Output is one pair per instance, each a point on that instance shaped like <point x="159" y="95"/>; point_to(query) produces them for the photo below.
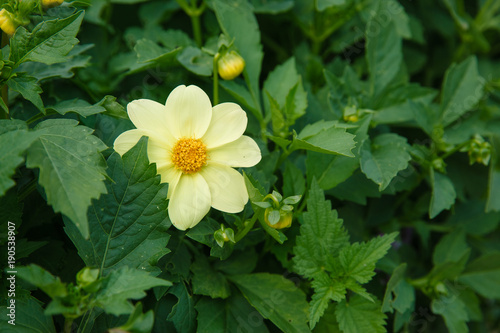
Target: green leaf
<point x="256" y="193"/>
<point x="196" y="61"/>
<point x="29" y="317"/>
<point x="139" y="322"/>
<point x="332" y="140"/>
<point x="404" y="293"/>
<point x="453" y="311"/>
<point x="450" y="248"/>
<point x="360" y="315"/>
<point x="443" y="193"/>
<point x="14" y="140"/>
<point x="321" y="5"/>
<point x="148" y="51"/>
<point x="231" y="315"/>
<point x="28" y="87"/>
<point x="207" y="281"/>
<point x="238" y="21"/>
<point x="183" y="314"/>
<point x="322" y="235"/>
<point x="276" y="299"/>
<point x="358" y="260"/>
<point x="325" y="290"/>
<point x="123" y="284"/>
<point x="384" y="158"/>
<point x="383" y="54"/>
<point x="493" y="200"/>
<point x="330" y="170"/>
<point x="271" y="6"/>
<point x="462" y="89"/>
<point x="483" y="275"/>
<point x="42" y="279"/>
<point x="287" y="97"/>
<point x="71" y="167"/>
<point x="293" y="180"/>
<point x="471" y="216"/>
<point x="128" y="225"/>
<point x="49" y="42"/>
<point x="79" y="106"/>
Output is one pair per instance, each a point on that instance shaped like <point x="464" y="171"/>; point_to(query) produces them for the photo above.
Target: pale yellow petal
<point x="190" y="201"/>
<point x="159" y="153"/>
<point x="228" y="123"/>
<point x="243" y="152"/>
<point x="189" y="111"/>
<point x="151" y="117"/>
<point x="227" y="188"/>
<point x="128" y="139"/>
<point x="169" y="174"/>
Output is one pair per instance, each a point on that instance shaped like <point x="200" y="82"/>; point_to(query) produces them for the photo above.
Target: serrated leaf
<point x="322" y="235"/>
<point x="443" y="193"/>
<point x="123" y="284"/>
<point x="28" y="87"/>
<point x="325" y="290"/>
<point x="382" y="159"/>
<point x="71" y="167"/>
<point x="49" y="42"/>
<point x="207" y="281"/>
<point x="493" y="200"/>
<point x="404" y="293"/>
<point x="358" y="315"/>
<point x="139" y="322"/>
<point x="128" y="225"/>
<point x="358" y="260"/>
<point x="288" y="311"/>
<point x="42" y="279"/>
<point x="14" y="140"/>
<point x="462" y="89"/>
<point x="148" y="51"/>
<point x="30" y="317"/>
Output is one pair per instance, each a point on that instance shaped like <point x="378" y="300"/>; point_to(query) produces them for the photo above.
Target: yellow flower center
<point x="189" y="155"/>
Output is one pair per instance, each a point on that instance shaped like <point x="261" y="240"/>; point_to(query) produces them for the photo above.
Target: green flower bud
<point x="230" y="65"/>
<point x="46" y="4"/>
<point x="278" y="219"/>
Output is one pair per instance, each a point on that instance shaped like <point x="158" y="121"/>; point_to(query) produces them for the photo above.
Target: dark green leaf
<point x="196" y="61"/>
<point x="453" y="311"/>
<point x="83" y="108"/>
<point x="450" y="248"/>
<point x="207" y="281"/>
<point x="49" y="42"/>
<point x="29" y="317"/>
<point x="332" y="140"/>
<point x="28" y="87"/>
<point x="483" y="275"/>
<point x="358" y="315"/>
<point x="128" y="225"/>
<point x="443" y="193"/>
<point x="71" y="167"/>
<point x="42" y="279"/>
<point x="183" y="314"/>
<point x="276" y="299"/>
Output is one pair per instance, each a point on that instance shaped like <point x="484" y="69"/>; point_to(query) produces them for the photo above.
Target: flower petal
<point x="169" y="174"/>
<point x="128" y="139"/>
<point x="159" y="153"/>
<point x="227" y="188"/>
<point x="151" y="117"/>
<point x="190" y="201"/>
<point x="243" y="152"/>
<point x="228" y="123"/>
<point x="188" y="112"/>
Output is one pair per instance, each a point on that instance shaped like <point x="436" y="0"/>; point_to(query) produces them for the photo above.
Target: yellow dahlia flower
<point x="195" y="148"/>
<point x="7" y="24"/>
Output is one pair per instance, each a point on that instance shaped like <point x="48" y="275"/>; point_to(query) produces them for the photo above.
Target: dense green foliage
<point x="379" y="127"/>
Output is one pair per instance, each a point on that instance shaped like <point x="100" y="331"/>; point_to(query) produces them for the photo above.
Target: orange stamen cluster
<point x="189" y="155"/>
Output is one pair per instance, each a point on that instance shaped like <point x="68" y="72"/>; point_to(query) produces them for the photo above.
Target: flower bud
<point x="230" y="65"/>
<point x="284" y="221"/>
<point x="7" y="23"/>
<point x="46" y="4"/>
<point x="86" y="278"/>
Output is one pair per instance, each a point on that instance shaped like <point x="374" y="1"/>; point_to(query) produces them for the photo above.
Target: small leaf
<point x="79" y="106"/>
<point x="292" y="200"/>
<point x="443" y="193"/>
<point x="328" y="141"/>
<point x="42" y="279"/>
<point x="207" y="281"/>
<point x="274" y="216"/>
<point x="196" y="61"/>
<point x="28" y="87"/>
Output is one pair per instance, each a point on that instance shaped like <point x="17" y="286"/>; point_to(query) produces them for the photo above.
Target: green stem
<point x="216" y="79"/>
<point x="68" y="322"/>
<point x="195" y="21"/>
<point x="5" y="89"/>
<point x="454" y="150"/>
<point x="39" y="116"/>
<point x="248" y="226"/>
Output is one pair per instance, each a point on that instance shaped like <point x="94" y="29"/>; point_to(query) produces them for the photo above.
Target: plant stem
<point x="195" y="21"/>
<point x="5" y="89"/>
<point x="454" y="150"/>
<point x="248" y="226"/>
<point x="68" y="322"/>
<point x="216" y="79"/>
